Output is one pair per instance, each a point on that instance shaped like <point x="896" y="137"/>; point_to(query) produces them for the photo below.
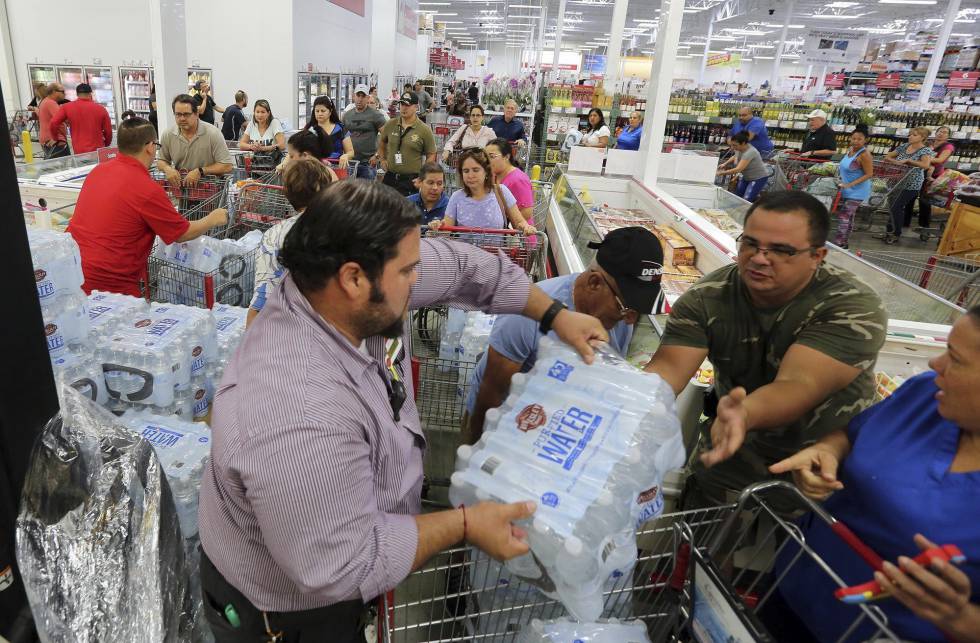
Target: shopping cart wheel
<point x="924" y="236"/>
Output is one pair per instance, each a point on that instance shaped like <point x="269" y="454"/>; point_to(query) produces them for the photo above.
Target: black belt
<point x="399" y="177"/>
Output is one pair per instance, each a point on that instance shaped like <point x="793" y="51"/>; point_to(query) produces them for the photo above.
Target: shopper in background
<point x="918" y="156"/>
<point x="820" y="141"/>
<point x="748" y="163"/>
<point x="128" y="114"/>
<point x="40" y="93"/>
<point x="191" y="146"/>
<point x="234" y="118"/>
<point x="620" y="286"/>
<point x="500" y="153"/>
<point x="206" y="107"/>
<point x="856" y="171"/>
<point x="301" y="181"/>
<point x="474" y="94"/>
<point x="404" y="144"/>
<point x="425" y="100"/>
<point x="153" y="108"/>
<point x="793" y="342"/>
<point x="459" y="106"/>
<point x="264" y="134"/>
<point x="378" y="103"/>
<point x="311" y="501"/>
<point x="54" y="142"/>
<point x="87" y="120"/>
<point x="597" y="134"/>
<point x="334" y="140"/>
<point x="364" y="123"/>
<point x="629" y="138"/>
<point x="121" y="210"/>
<point x="755" y="127"/>
<point x="942" y="149"/>
<point x="904" y="475"/>
<point x="481" y="203"/>
<point x="509" y="126"/>
<point x="431" y="199"/>
<point x="476" y="134"/>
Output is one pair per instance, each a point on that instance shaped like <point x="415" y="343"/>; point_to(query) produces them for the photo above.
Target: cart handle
<point x="452" y="228"/>
<point x="264" y="186"/>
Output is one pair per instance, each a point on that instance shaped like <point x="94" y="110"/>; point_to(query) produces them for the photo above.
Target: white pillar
<point x="384" y="15"/>
<point x="168" y="35"/>
<point x="806" y="80"/>
<point x="707" y="46"/>
<point x="658" y="90"/>
<point x="615" y="49"/>
<point x="782" y="44"/>
<point x="8" y="70"/>
<point x="559" y="25"/>
<point x="937" y="55"/>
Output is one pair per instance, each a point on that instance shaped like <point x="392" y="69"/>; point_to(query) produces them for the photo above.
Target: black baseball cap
<point x="409" y="98"/>
<point x="83" y="88"/>
<point x="634" y="258"/>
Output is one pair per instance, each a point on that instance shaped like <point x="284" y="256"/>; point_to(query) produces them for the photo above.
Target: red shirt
<point x="89" y="122"/>
<point x="120" y="211"/>
<point x="46" y="112"/>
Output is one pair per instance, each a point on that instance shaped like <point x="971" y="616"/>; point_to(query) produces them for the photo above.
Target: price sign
<point x="902" y="132"/>
<point x="834" y="81"/>
<point x="889" y="81"/>
<point x="702" y="119"/>
<point x="963" y="79"/>
<point x="772" y="123"/>
<point x="725" y="120"/>
<point x="673" y="117"/>
<point x="799" y="125"/>
<point x="878" y="130"/>
<point x="960" y="135"/>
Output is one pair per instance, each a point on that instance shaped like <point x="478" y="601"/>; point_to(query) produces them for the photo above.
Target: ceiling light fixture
<point x="765" y="58"/>
<point x="906" y="1"/>
<point x="524" y="6"/>
<point x="833" y="16"/>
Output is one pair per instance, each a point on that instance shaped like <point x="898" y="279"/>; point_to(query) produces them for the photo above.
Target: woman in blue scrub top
<point x="909" y="479"/>
<point x="629" y="138"/>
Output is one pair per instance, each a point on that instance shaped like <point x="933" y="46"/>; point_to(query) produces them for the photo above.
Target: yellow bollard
<point x="28" y="146"/>
<point x="536" y="173"/>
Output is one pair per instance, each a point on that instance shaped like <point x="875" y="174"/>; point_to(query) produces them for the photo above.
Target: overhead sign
<point x="834" y="81"/>
<point x="408" y="18"/>
<point x="963" y="80"/>
<point x="891" y="80"/>
<point x="594" y="63"/>
<point x="356" y="6"/>
<point x="837" y="48"/>
<point x="724" y="60"/>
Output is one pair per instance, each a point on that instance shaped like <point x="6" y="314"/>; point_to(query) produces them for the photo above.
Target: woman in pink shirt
<point x="501" y="156"/>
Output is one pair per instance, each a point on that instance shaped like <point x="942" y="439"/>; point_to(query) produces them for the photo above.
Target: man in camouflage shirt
<point x="793" y="343"/>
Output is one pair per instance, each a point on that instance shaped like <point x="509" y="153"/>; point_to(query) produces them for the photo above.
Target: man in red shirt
<point x="121" y="210"/>
<point x="88" y="120"/>
<point x="54" y="142"/>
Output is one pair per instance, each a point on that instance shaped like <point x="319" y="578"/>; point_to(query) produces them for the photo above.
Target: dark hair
<point x="506" y="149"/>
<point x="352" y="221"/>
<point x="602" y="119"/>
<point x="133" y="134"/>
<point x="481" y="159"/>
<point x="265" y="104"/>
<point x="476" y="106"/>
<point x="303" y="179"/>
<point x="184" y="98"/>
<point x="862" y="128"/>
<point x="974" y="313"/>
<point x="786" y="201"/>
<point x="740" y="137"/>
<point x="408" y="87"/>
<point x="128" y="114"/>
<point x="372" y="89"/>
<point x="325" y="137"/>
<point x="431" y="168"/>
<point x="306" y="141"/>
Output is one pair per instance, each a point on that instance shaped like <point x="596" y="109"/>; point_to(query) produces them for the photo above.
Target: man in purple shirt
<point x="310" y="505"/>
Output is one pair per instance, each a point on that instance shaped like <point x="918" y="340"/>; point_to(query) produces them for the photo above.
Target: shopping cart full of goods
<point x="706" y="575"/>
<point x="941" y="191"/>
<point x="254" y="165"/>
<point x="442" y="367"/>
<point x="259" y="204"/>
<point x="187" y="198"/>
<point x="954" y="278"/>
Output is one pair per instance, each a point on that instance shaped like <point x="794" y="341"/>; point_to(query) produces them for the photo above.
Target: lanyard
<point x="401" y="133"/>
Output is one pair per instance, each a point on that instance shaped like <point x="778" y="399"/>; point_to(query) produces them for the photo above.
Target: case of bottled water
<point x="451" y="332"/>
<point x="80" y="370"/>
<point x="109" y="311"/>
<point x="183" y="448"/>
<point x="584" y="442"/>
<point x="230" y="326"/>
<point x="66" y="321"/>
<point x="231" y="262"/>
<point x="57" y="263"/>
<point x="565" y="631"/>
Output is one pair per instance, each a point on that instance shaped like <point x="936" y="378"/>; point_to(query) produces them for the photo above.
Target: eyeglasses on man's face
<point x="624" y="312"/>
<point x="750" y="247"/>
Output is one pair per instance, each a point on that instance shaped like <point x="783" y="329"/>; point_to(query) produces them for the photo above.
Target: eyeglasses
<point x="623" y="310"/>
<point x="157" y="144"/>
<point x="493" y="156"/>
<point x="779" y="251"/>
<point x="183" y="114"/>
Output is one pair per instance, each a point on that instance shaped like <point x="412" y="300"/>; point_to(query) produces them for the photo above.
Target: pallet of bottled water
<point x="589" y="444"/>
<point x="229" y="325"/>
<point x="205" y="270"/>
<point x="565" y="631"/>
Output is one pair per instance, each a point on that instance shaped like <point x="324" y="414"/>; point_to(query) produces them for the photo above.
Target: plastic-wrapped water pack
<point x="231" y="262"/>
<point x="80" y="370"/>
<point x="57" y="263"/>
<point x="566" y="631"/>
<point x="587" y="443"/>
<point x="108" y="312"/>
<point x="230" y="326"/>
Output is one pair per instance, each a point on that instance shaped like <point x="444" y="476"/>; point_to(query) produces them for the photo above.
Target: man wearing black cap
<point x="404" y="144"/>
<point x="621" y="284"/>
<point x="87" y="120"/>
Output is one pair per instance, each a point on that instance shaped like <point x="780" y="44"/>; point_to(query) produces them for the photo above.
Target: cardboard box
<point x="678" y="251"/>
<point x="685" y="273"/>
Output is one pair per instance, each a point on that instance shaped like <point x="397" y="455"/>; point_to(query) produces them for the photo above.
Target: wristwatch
<point x="549" y="316"/>
<point x="200" y="171"/>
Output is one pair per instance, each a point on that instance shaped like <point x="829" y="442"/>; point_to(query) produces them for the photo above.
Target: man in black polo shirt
<point x="820" y="141"/>
<point x="234" y="118"/>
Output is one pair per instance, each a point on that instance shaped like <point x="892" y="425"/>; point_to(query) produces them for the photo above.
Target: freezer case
<point x="100" y="78"/>
<point x="312" y="85"/>
<point x="135" y="84"/>
<point x="41" y="74"/>
<point x="70" y="77"/>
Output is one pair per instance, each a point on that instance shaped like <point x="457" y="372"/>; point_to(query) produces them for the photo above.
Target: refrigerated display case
<point x="70" y="77"/>
<point x="312" y="85"/>
<point x="135" y="84"/>
<point x="41" y="74"/>
<point x="195" y="74"/>
<point x="100" y="78"/>
<point x="347" y="84"/>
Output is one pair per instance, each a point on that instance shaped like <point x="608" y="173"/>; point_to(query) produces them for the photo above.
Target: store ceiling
<point x="754" y="24"/>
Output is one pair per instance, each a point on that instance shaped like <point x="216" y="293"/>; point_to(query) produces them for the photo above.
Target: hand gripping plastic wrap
<point x="565" y="631"/>
<point x="588" y="443"/>
<point x="98" y="538"/>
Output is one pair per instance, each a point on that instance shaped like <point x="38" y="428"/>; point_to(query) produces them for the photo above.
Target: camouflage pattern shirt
<point x="837" y="314"/>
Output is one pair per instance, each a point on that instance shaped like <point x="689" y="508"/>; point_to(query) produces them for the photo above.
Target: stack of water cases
<point x="565" y="631"/>
<point x="231" y="262"/>
<point x="229" y="324"/>
<point x="588" y="443"/>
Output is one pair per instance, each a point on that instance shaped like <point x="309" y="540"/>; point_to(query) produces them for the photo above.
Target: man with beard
<point x="311" y="502"/>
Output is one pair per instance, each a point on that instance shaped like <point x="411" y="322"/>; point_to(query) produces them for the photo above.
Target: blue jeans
<point x="365" y="171"/>
<point x="749" y="190"/>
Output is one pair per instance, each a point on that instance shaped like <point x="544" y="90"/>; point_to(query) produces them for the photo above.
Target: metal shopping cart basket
<point x="344" y="172"/>
<point x="956" y="279"/>
<point x="728" y="551"/>
<point x="260" y="205"/>
<point x="887" y="181"/>
<point x="212" y="189"/>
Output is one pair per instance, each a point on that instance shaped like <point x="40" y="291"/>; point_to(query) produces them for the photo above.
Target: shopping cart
<point x="887" y="181"/>
<point x="20" y="122"/>
<point x="261" y="205"/>
<point x="253" y="165"/>
<point x="343" y="172"/>
<point x="730" y="550"/>
<point x="186" y="198"/>
<point x="956" y="279"/>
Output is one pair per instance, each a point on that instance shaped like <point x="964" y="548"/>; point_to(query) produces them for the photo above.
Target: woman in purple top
<point x="501" y="155"/>
<point x="478" y="204"/>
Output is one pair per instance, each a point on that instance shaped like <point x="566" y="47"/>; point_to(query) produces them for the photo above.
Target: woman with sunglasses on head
<point x="335" y="143"/>
<point x="476" y="134"/>
<point x="500" y="153"/>
<point x="942" y="148"/>
<point x="598" y="133"/>
<point x="481" y="204"/>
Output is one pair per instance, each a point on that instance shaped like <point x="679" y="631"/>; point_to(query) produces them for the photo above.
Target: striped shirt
<point x="311" y="486"/>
